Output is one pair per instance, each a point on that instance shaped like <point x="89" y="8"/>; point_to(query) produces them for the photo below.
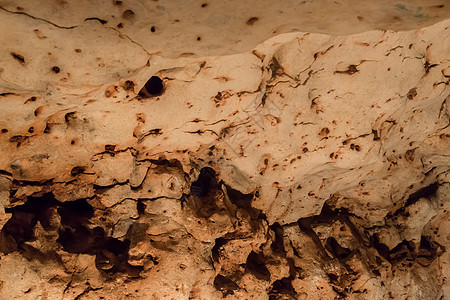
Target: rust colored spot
<point x="360" y="18"/>
<point x="409" y="155"/>
<point x="129" y="85"/>
<point x="111" y="91"/>
<point x="412" y="93"/>
<point x="324" y="132"/>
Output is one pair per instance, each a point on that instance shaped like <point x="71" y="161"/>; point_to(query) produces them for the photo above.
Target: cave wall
<point x="202" y="150"/>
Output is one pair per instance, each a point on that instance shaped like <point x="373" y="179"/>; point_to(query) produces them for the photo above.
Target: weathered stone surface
<point x="201" y="150"/>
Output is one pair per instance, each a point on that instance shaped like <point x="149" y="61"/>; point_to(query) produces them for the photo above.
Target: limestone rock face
<point x="203" y="150"/>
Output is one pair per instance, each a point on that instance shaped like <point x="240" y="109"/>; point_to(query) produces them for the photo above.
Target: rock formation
<point x="237" y="150"/>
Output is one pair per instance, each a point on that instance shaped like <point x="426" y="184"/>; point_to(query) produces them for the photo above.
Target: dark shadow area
<point x="205" y="182"/>
<point x="153" y="87"/>
<point x="256" y="266"/>
<point x="74" y="233"/>
<point x="225" y="285"/>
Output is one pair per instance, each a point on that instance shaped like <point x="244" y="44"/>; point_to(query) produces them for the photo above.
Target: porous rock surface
<point x="292" y="150"/>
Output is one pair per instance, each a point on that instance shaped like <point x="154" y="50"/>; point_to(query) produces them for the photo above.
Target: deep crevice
<point x="74" y="234"/>
<point x="256" y="266"/>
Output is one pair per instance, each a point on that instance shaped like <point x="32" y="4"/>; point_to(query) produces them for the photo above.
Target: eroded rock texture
<point x="196" y="150"/>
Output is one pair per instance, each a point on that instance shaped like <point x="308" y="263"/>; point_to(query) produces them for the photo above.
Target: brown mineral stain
<point x="409" y="155"/>
<point x="412" y="93"/>
<point x="111" y="91"/>
<point x="324" y="131"/>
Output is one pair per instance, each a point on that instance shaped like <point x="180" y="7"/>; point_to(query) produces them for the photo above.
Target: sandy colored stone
<point x="297" y="150"/>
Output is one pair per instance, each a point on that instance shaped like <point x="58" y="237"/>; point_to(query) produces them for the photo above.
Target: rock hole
<point x="428" y="251"/>
<point x="153" y="87"/>
<point x="74" y="213"/>
<point x="110" y="148"/>
<point x="77" y="170"/>
<point x="252" y="20"/>
<point x="206" y="180"/>
<point x="20" y="227"/>
<point x="256" y="266"/>
<point x="425" y="192"/>
<point x="69" y="117"/>
<point x="216" y="249"/>
<point x="282" y="286"/>
<point x="403" y="251"/>
<point x="278" y="244"/>
<point x="18" y="57"/>
<point x="336" y="249"/>
<point x="56" y="69"/>
<point x="81" y="239"/>
<point x="153" y="29"/>
<point x="225" y="285"/>
<point x="129" y="85"/>
<point x="47" y="128"/>
<point x="140" y="206"/>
